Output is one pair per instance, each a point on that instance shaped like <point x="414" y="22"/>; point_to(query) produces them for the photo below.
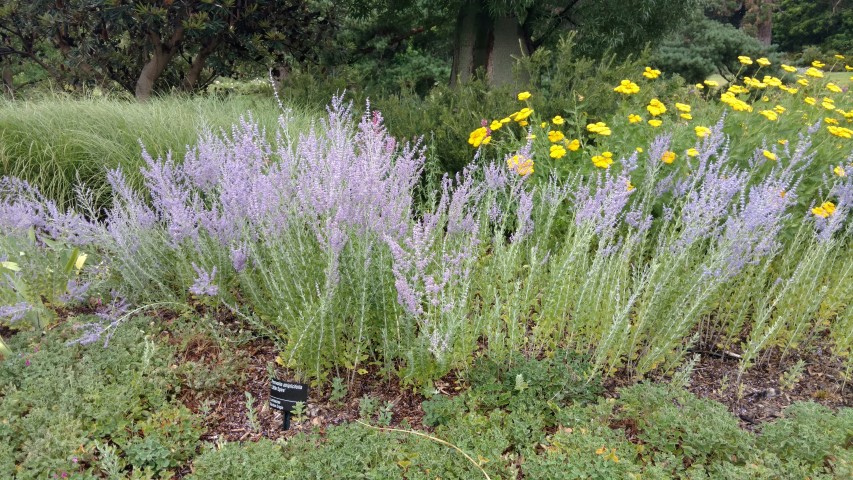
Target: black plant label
<point x="285" y="394"/>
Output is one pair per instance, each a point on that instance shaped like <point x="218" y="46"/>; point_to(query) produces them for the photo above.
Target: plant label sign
<point x="284" y="395"/>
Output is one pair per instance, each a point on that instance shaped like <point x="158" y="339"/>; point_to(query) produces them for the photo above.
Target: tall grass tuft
<point x="53" y="140"/>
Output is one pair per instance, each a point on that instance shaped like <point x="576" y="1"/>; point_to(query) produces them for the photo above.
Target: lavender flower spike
<point x="204" y="282"/>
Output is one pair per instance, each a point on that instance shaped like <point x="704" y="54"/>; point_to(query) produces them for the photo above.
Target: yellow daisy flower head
<point x="651" y="73"/>
<point x="558" y="120"/>
<point x="818" y="64"/>
<point x="668" y="157"/>
<point x="702" y="132"/>
<point x="656" y="108"/>
<point x="496" y="125"/>
<point x="692" y="152"/>
<point x="815" y="73"/>
<point x="682" y="107"/>
<point x="744" y="60"/>
<point x="824" y="210"/>
<point x="627" y="87"/>
<point x="699" y="86"/>
<point x="763" y="62"/>
<point x="789" y="68"/>
<point x="839" y="170"/>
<point x="520" y="164"/>
<point x="810" y="100"/>
<point x="655" y="122"/>
<point x="804" y="82"/>
<point x="603" y="161"/>
<point x="840" y="132"/>
<point x="769" y="155"/>
<point x="634" y="118"/>
<point x="479" y="137"/>
<point x="769" y="115"/>
<point x="555" y="136"/>
<point x="557" y="151"/>
<point x="524" y="96"/>
<point x="686" y="116"/>
<point x="574" y="145"/>
<point x="833" y="88"/>
<point x="711" y="83"/>
<point x="600" y="128"/>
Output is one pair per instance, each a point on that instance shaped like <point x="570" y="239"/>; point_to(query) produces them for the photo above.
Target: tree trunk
<point x="507" y="40"/>
<point x="162" y="54"/>
<point x="469" y="52"/>
<point x="484" y="42"/>
<point x="194" y="72"/>
<point x="7" y="80"/>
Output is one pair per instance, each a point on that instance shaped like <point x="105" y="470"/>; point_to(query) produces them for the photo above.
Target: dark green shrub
<point x="704" y="47"/>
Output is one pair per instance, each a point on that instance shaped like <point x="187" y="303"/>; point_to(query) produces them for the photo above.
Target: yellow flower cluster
<point x="651" y="73"/>
<point x="736" y="103"/>
<point x="656" y="107"/>
<point x="603" y="161"/>
<point x="824" y="210"/>
<point x="520" y="164"/>
<point x="627" y="87"/>
<point x="480" y="136"/>
<point x="668" y="157"/>
<point x="840" y="131"/>
<point x="600" y="128"/>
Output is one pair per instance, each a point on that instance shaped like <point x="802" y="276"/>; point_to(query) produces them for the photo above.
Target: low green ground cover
<point x="85" y="412"/>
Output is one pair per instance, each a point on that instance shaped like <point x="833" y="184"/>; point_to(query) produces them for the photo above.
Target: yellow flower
<point x="840" y="57"/>
<point x="543" y="125"/>
<point x="752" y="82"/>
<point x="782" y="141"/>
<point x="711" y="83"/>
<point x="496" y="125"/>
<point x="558" y="120"/>
<point x="639" y="149"/>
<point x="830" y="121"/>
<point x="630" y="186"/>
<point x="839" y="170"/>
<point x="833" y="88"/>
<point x="557" y="151"/>
<point x="603" y="161"/>
<point x="555" y="136"/>
<point x="478" y="137"/>
<point x="524" y="96"/>
<point x="531" y="136"/>
<point x="699" y="86"/>
<point x="655" y="122"/>
<point x="848" y="68"/>
<point x="736" y="103"/>
<point x="600" y="128"/>
<point x="656" y="108"/>
<point x="505" y="120"/>
<point x="522" y="114"/>
<point x="779" y="109"/>
<point x="772" y="81"/>
<point x="668" y="157"/>
<point x="763" y="62"/>
<point x="520" y="164"/>
<point x="692" y="152"/>
<point x="810" y="100"/>
<point x="824" y="210"/>
<point x="769" y="155"/>
<point x="789" y="68"/>
<point x="788" y="89"/>
<point x="769" y="115"/>
<point x="702" y="132"/>
<point x="523" y="123"/>
<point x="818" y="64"/>
<point x="634" y="118"/>
<point x="813" y="72"/>
<point x="651" y="73"/>
<point x="828" y="104"/>
<point x="574" y="145"/>
<point x="744" y="60"/>
<point x="686" y="116"/>
<point x="627" y="87"/>
<point x="840" y="131"/>
<point x="737" y="89"/>
<point x="601" y="451"/>
<point x="804" y="82"/>
<point x="682" y="107"/>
